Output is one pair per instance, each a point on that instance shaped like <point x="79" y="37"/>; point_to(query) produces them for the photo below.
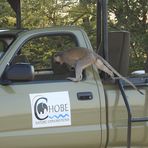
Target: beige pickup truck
<point x="40" y="108"/>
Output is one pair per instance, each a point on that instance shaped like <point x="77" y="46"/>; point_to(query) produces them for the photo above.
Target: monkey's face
<point x="58" y="59"/>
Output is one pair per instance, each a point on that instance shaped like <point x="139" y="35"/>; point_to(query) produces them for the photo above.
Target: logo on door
<point x="41" y="108"/>
<point x="50" y="109"/>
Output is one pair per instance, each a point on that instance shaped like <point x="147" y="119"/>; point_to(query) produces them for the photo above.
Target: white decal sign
<point x="50" y="109"/>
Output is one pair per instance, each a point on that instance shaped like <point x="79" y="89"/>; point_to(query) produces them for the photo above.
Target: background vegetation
<point x="130" y="15"/>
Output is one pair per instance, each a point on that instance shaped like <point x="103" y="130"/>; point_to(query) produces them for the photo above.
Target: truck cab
<point x="39" y="107"/>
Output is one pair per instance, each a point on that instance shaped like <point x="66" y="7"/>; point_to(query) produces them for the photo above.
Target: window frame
<point x="44" y="35"/>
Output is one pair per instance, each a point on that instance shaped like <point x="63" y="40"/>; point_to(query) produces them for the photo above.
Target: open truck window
<point x="39" y="52"/>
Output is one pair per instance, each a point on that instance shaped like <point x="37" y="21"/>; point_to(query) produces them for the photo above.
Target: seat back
<point x="20" y="59"/>
<point x="118" y="52"/>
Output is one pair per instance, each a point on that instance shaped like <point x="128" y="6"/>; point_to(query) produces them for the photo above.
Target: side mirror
<point x="19" y="72"/>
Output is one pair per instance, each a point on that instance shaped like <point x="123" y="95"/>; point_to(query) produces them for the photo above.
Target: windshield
<point x="4" y="44"/>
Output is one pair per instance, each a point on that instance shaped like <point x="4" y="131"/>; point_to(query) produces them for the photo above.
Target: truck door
<point x="49" y="111"/>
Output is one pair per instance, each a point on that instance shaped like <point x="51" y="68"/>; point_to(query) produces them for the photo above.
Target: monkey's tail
<point x="118" y="74"/>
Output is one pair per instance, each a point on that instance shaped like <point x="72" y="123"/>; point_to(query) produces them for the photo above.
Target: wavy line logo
<point x="58" y="116"/>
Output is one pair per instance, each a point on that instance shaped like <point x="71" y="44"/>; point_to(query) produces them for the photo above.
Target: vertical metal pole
<point x="102" y="27"/>
<point x="105" y="29"/>
<point x="99" y="25"/>
<point x="16" y="6"/>
<point x="102" y="31"/>
<point x="18" y="15"/>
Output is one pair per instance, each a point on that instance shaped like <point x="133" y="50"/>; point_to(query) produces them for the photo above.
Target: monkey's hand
<point x="78" y="76"/>
<point x="73" y="79"/>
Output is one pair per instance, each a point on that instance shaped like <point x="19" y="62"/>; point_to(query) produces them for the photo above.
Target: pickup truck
<point x="41" y="108"/>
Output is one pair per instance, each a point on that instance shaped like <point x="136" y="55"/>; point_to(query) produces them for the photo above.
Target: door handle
<point x="84" y="96"/>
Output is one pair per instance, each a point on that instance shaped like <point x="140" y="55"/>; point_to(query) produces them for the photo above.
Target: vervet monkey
<point x="80" y="58"/>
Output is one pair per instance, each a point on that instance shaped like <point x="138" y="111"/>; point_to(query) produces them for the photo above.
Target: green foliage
<point x="132" y="15"/>
<point x="7" y="16"/>
<point x="43" y="13"/>
<point x="84" y="15"/>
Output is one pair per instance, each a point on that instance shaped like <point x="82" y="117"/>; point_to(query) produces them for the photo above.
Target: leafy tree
<point x="60" y="12"/>
<point x="84" y="15"/>
<point x="7" y="15"/>
<point x="39" y="14"/>
<point x="132" y="15"/>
